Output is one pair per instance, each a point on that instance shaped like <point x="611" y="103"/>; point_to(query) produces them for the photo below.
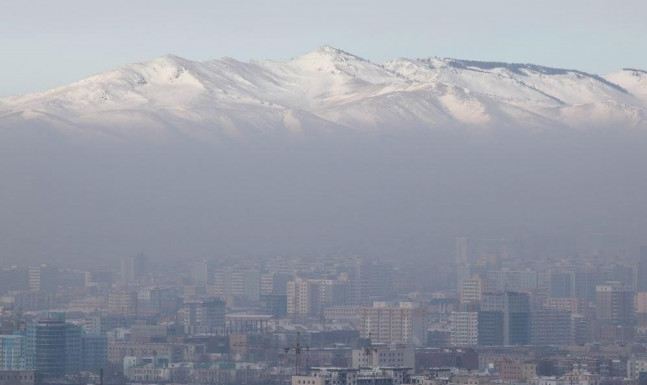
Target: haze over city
<point x="332" y="193"/>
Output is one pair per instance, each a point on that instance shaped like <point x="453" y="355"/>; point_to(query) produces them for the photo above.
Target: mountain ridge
<point x="228" y="98"/>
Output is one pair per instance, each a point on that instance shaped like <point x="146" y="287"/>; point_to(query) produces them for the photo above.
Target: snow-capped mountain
<point x="326" y="90"/>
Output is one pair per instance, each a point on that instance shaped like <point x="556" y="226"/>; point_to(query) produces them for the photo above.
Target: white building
<point x="390" y="323"/>
<point x="464" y="328"/>
<point x="384" y="355"/>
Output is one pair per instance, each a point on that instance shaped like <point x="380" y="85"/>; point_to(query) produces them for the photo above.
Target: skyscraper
<point x="54" y="347"/>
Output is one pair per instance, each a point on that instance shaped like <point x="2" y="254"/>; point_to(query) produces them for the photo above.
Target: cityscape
<point x="496" y="311"/>
<point x="284" y="192"/>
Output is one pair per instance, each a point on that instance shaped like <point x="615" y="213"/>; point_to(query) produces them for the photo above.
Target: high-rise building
<point x="641" y="270"/>
<point x="308" y="297"/>
<point x="13" y="349"/>
<point x="471" y="289"/>
<point x="243" y="283"/>
<point x="134" y="268"/>
<point x="490" y="328"/>
<point x="94" y="351"/>
<point x="202" y="273"/>
<point x="504" y="319"/>
<point x="551" y="327"/>
<point x="562" y="284"/>
<point x="54" y="347"/>
<point x="204" y="316"/>
<point x="516" y="319"/>
<point x="464" y="328"/>
<point x="389" y="323"/>
<point x="43" y="278"/>
<point x="614" y="303"/>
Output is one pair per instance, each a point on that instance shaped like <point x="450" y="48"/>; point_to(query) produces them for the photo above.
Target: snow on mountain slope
<point x="326" y="90"/>
<point x="633" y="80"/>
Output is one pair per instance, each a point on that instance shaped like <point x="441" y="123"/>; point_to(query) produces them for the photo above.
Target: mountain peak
<point x="331" y="87"/>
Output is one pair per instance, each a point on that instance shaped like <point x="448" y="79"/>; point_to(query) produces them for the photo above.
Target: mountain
<point x="326" y="153"/>
<point x="326" y="90"/>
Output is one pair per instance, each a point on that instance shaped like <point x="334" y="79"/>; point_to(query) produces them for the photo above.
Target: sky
<point x="44" y="43"/>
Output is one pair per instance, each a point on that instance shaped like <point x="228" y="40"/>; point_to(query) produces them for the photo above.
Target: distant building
<point x="134" y="268"/>
<point x="614" y="303"/>
<point x="13" y="351"/>
<point x="204" y="316"/>
<point x="504" y="319"/>
<point x="471" y="289"/>
<point x="122" y="302"/>
<point x="551" y="327"/>
<point x="464" y="328"/>
<point x="388" y="323"/>
<point x="43" y="278"/>
<point x="308" y="297"/>
<point x="54" y="347"/>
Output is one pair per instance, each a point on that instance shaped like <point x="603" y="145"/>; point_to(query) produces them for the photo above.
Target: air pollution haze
<point x="325" y="154"/>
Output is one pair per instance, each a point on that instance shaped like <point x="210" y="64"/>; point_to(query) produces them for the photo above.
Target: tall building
<point x="471" y="289"/>
<point x="43" y="278"/>
<point x="387" y="323"/>
<point x="202" y="273"/>
<point x="244" y="283"/>
<point x="308" y="297"/>
<point x="54" y="347"/>
<point x="504" y="319"/>
<point x="490" y="328"/>
<point x="562" y="284"/>
<point x="516" y="319"/>
<point x="94" y="351"/>
<point x="614" y="303"/>
<point x="464" y="328"/>
<point x="134" y="268"/>
<point x="641" y="270"/>
<point x="13" y="349"/>
<point x="551" y="327"/>
<point x="204" y="316"/>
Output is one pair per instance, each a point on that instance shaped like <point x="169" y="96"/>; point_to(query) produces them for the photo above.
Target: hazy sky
<point x="48" y="43"/>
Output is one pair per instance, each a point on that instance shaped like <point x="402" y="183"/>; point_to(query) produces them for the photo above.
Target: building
<point x="384" y="355"/>
<point x="308" y="297"/>
<point x="43" y="278"/>
<point x="471" y="289"/>
<point x="464" y="328"/>
<point x="562" y="284"/>
<point x="275" y="305"/>
<point x="54" y="347"/>
<point x="389" y="323"/>
<point x="122" y="303"/>
<point x="94" y="352"/>
<point x="13" y="351"/>
<point x="19" y="377"/>
<point x="614" y="303"/>
<point x="204" y="316"/>
<point x="551" y="327"/>
<point x="516" y="319"/>
<point x="134" y="268"/>
<point x="504" y="319"/>
<point x="242" y="283"/>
